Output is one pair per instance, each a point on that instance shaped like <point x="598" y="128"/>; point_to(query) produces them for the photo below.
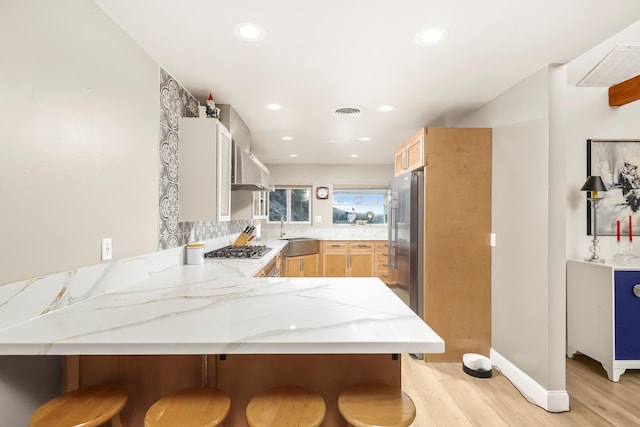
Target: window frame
<point x="366" y="191"/>
<point x="288" y="218"/>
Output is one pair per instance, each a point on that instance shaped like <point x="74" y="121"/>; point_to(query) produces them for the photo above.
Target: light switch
<point x="493" y="239"/>
<point x="318" y="219"/>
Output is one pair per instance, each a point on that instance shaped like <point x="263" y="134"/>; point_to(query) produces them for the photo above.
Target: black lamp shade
<point x="594" y="183"/>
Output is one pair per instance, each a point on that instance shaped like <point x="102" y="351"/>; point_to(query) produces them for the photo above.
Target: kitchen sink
<point x="299" y="246"/>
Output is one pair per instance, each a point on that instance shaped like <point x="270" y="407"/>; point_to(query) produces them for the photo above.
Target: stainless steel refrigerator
<point x="406" y="230"/>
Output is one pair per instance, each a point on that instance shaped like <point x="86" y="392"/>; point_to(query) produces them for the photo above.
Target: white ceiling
<point x="320" y="55"/>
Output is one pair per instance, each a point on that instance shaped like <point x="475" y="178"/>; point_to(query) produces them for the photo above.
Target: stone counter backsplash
<point x="357" y="232"/>
<point x="176" y="102"/>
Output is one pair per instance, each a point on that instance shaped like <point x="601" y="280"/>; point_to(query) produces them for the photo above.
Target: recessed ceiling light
<point x="364" y="138"/>
<point x="293" y="155"/>
<point x="431" y="36"/>
<point x="385" y="108"/>
<point x="353" y="155"/>
<point x="249" y="32"/>
<point x="287" y="138"/>
<point x="273" y="107"/>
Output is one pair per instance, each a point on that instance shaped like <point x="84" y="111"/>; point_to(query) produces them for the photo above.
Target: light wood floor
<point x="446" y="396"/>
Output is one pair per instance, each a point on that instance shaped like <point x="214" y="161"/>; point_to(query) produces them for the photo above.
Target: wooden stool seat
<point x="192" y="407"/>
<point x="372" y="404"/>
<point x="84" y="407"/>
<point x="287" y="406"/>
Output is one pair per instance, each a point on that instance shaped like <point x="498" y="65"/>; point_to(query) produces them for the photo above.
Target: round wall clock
<point x="322" y="193"/>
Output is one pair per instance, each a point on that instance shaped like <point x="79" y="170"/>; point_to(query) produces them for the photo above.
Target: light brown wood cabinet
<point x="302" y="266"/>
<point x="279" y="259"/>
<point x="381" y="269"/>
<point x="348" y="259"/>
<point x="267" y="270"/>
<point x="411" y="155"/>
<point x="457" y="224"/>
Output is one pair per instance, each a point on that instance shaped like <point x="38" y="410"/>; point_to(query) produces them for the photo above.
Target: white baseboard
<point x="550" y="400"/>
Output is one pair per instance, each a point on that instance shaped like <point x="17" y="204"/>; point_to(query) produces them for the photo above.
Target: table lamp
<point x="594" y="184"/>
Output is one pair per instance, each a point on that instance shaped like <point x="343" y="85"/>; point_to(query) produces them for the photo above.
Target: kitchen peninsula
<point x="188" y="325"/>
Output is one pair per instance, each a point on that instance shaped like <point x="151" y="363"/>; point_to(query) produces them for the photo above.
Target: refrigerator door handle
<point x="393" y="235"/>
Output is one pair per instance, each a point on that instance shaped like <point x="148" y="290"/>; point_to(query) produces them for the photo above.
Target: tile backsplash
<point x="176" y="102"/>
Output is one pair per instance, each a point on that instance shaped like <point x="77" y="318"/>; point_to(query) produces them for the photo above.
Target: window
<point x="360" y="206"/>
<point x="292" y="204"/>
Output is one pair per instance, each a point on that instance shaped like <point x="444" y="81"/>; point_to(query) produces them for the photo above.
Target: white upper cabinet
<point x="205" y="170"/>
<point x="259" y="210"/>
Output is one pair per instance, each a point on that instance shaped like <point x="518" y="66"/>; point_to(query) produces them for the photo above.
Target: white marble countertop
<point x="217" y="308"/>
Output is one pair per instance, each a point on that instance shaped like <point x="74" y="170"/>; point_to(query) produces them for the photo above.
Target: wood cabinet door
<point x="292" y="267"/>
<point x="361" y="264"/>
<point x="334" y="264"/>
<point x="361" y="259"/>
<point x="400" y="166"/>
<point x="411" y="154"/>
<point x="310" y="265"/>
<point x="415" y="151"/>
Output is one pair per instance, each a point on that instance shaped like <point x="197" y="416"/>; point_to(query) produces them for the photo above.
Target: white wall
<point x="539" y="215"/>
<point x="79" y="162"/>
<point x="588" y="116"/>
<point x="80" y="129"/>
<point x="520" y="185"/>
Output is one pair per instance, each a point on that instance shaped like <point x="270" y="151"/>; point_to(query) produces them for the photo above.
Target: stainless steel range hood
<point x="247" y="172"/>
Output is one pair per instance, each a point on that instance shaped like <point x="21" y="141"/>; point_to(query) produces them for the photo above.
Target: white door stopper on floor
<point x="476" y="365"/>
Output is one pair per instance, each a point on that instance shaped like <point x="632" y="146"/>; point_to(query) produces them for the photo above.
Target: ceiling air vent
<point x="348" y="110"/>
<point x="621" y="64"/>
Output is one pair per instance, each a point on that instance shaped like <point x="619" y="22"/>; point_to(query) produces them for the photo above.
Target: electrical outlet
<point x="106" y="249"/>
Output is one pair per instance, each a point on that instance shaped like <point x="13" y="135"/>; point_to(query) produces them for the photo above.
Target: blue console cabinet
<point x="627" y="315"/>
<point x="603" y="314"/>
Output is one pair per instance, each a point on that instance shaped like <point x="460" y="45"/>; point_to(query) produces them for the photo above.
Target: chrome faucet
<point x="282" y="232"/>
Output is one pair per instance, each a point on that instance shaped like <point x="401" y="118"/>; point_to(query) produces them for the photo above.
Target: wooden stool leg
<point x="116" y="421"/>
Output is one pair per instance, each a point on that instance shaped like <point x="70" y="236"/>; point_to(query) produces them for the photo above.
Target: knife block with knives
<point x="245" y="237"/>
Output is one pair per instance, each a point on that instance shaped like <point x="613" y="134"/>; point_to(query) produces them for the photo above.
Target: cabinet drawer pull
<point x="636" y="290"/>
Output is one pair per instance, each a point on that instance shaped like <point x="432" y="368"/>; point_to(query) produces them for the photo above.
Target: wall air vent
<point x="621" y="64"/>
<point x="348" y="110"/>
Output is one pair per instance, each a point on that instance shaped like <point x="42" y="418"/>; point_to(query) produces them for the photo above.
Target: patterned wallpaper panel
<point x="176" y="102"/>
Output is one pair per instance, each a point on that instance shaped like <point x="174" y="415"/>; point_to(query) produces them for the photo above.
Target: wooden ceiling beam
<point x="625" y="92"/>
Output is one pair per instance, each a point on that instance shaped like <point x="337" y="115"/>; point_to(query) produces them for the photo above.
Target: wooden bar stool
<point x="287" y="406"/>
<point x="373" y="404"/>
<point x="192" y="407"/>
<point x="84" y="407"/>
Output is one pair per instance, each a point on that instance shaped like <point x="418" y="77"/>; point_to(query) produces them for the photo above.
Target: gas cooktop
<point x="248" y="251"/>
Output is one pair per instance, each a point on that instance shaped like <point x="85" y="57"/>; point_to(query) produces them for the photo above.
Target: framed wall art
<point x="617" y="162"/>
